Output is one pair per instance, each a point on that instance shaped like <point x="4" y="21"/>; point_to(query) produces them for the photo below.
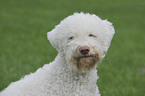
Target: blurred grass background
<point x="24" y="46"/>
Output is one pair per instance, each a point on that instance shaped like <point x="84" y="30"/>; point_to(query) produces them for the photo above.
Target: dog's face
<point x="83" y="40"/>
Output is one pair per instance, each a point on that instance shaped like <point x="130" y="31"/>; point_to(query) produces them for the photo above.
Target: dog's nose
<point x="84" y="50"/>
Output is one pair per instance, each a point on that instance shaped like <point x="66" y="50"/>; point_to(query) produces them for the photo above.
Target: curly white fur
<point x="67" y="76"/>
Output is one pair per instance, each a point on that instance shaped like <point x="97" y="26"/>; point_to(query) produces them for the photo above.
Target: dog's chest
<point x="70" y="84"/>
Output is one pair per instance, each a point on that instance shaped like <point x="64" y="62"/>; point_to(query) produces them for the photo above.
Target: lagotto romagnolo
<point x="81" y="40"/>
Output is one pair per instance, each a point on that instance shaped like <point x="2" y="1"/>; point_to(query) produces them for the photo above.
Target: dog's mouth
<point x="84" y="63"/>
<point x="85" y="56"/>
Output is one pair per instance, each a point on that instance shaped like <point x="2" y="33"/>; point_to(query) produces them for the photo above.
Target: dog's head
<point x="83" y="39"/>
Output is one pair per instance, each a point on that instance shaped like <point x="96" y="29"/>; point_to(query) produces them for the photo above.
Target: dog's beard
<point x="84" y="63"/>
<point x="81" y="63"/>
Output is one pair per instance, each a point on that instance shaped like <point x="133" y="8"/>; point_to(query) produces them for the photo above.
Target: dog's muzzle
<point x="85" y="60"/>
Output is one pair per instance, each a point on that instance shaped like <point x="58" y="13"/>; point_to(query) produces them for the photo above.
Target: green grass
<point x="24" y="46"/>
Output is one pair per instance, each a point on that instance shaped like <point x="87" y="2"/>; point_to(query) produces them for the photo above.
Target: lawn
<point x="24" y="46"/>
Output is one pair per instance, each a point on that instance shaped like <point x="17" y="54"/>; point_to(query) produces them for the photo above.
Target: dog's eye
<point x="71" y="38"/>
<point x="91" y="35"/>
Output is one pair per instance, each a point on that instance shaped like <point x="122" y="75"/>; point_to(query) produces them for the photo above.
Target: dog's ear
<point x="110" y="26"/>
<point x="107" y="35"/>
<point x="52" y="37"/>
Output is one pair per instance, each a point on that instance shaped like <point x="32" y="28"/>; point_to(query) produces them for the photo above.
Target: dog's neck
<point x="85" y="81"/>
<point x="67" y="69"/>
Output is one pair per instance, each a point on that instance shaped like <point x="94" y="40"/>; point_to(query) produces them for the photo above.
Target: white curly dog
<point x="82" y="41"/>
